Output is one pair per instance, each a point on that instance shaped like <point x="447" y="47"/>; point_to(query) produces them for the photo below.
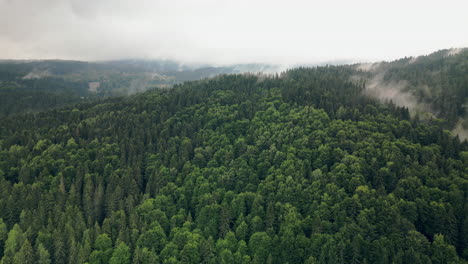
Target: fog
<point x="398" y="92"/>
<point x="37" y="74"/>
<point x="395" y="92"/>
<point x="461" y="129"/>
<point x="223" y="31"/>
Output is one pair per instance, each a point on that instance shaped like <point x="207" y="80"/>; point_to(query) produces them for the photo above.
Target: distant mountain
<point x="38" y="85"/>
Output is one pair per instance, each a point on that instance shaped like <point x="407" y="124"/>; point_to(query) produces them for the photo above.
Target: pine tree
<point x="25" y="255"/>
<point x="42" y="255"/>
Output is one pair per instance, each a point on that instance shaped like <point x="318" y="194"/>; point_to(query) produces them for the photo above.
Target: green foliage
<point x="153" y="239"/>
<point x="121" y="255"/>
<point x="25" y="255"/>
<point x="3" y="236"/>
<point x="43" y="256"/>
<point x="13" y="245"/>
<point x="103" y="242"/>
<point x="102" y="250"/>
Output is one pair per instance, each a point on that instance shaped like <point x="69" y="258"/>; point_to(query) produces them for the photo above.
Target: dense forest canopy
<point x="300" y="167"/>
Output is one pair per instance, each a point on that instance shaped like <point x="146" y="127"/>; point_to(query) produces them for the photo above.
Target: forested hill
<point x="296" y="168"/>
<point x="431" y="86"/>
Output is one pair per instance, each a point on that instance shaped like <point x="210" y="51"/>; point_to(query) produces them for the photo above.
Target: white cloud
<point x="223" y="31"/>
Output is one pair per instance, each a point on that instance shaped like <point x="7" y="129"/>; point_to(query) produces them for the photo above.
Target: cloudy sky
<point x="224" y="31"/>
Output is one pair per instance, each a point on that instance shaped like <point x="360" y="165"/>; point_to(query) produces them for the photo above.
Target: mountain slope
<point x="436" y="84"/>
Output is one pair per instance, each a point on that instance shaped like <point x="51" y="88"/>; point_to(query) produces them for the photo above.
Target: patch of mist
<point x="37" y="74"/>
<point x="453" y="51"/>
<point x="413" y="60"/>
<point x="160" y="77"/>
<point x="260" y="68"/>
<point x="94" y="86"/>
<point x="368" y="67"/>
<point x="397" y="92"/>
<point x="461" y="129"/>
<point x="387" y="91"/>
<point x="138" y="85"/>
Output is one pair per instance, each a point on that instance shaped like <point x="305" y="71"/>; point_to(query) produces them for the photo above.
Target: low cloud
<point x="461" y="129"/>
<point x="37" y="74"/>
<point x="395" y="92"/>
<point x="368" y="67"/>
<point x="454" y="51"/>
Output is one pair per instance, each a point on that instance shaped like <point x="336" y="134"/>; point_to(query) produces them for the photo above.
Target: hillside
<point x="301" y="167"/>
<point x="431" y="86"/>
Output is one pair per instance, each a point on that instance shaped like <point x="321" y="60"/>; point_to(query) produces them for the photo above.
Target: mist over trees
<point x="431" y="86"/>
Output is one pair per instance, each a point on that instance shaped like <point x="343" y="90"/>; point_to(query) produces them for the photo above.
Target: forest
<point x="297" y="167"/>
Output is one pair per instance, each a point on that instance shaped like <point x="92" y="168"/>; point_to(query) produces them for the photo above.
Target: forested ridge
<point x="439" y="80"/>
<point x="436" y="83"/>
<point x="431" y="86"/>
<point x="293" y="168"/>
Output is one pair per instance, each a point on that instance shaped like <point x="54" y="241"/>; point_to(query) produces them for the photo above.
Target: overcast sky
<point x="222" y="31"/>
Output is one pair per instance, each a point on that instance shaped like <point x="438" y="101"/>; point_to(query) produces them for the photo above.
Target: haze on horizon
<point x="223" y="31"/>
